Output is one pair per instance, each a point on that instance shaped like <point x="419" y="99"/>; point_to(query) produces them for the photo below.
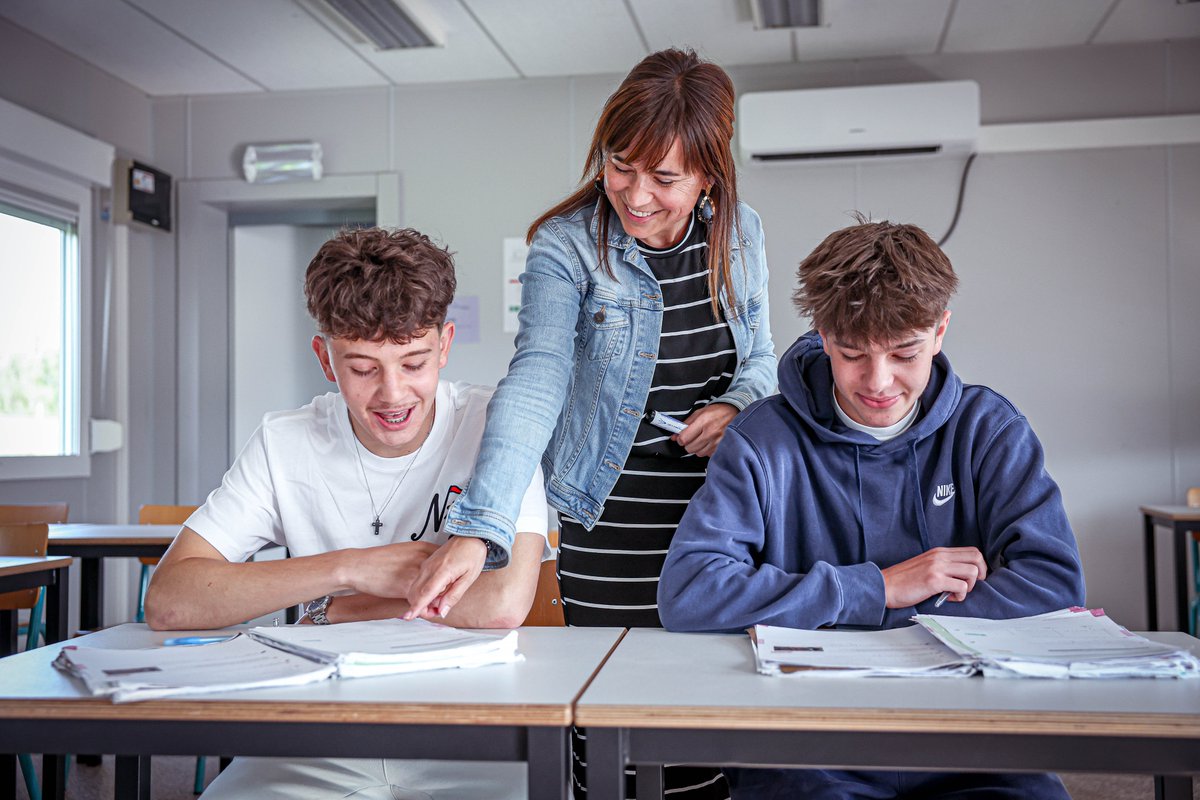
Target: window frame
<point x="44" y="193"/>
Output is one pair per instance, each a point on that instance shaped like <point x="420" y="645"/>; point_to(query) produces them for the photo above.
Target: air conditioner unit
<point x="858" y="122"/>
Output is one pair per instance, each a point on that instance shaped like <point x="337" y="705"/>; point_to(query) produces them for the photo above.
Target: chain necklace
<point x="379" y="512"/>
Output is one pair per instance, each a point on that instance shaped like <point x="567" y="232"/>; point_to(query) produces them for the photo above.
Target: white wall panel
<point x="352" y="127"/>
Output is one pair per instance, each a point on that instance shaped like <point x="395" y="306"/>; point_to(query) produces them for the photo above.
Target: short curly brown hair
<point x="875" y="281"/>
<point x="377" y="284"/>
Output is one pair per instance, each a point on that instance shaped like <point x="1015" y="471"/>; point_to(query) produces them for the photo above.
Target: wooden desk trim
<point x="1171" y="513"/>
<point x="202" y="710"/>
<point x="68" y="539"/>
<point x="892" y="720"/>
<point x="19" y="565"/>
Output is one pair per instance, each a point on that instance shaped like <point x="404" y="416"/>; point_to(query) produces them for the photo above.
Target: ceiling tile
<point x="1150" y="20"/>
<point x="717" y="29"/>
<point x="122" y="41"/>
<point x="563" y="37"/>
<point x="275" y="42"/>
<point x="868" y="29"/>
<point x="468" y="54"/>
<point x="986" y="25"/>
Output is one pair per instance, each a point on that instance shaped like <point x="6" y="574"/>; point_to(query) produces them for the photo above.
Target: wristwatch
<point x="315" y="610"/>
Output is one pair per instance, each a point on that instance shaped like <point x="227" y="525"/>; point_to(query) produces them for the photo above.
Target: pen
<point x="663" y="422"/>
<point x="190" y="640"/>
<point x="941" y="599"/>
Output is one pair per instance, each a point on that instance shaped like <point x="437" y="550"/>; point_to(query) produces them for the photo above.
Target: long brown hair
<point x="669" y="95"/>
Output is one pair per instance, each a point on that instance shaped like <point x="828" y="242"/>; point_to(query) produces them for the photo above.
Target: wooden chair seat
<point x="22" y="540"/>
<point x="547" y="609"/>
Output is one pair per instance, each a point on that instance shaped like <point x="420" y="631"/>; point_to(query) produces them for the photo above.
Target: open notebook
<point x="1071" y="643"/>
<point x="289" y="656"/>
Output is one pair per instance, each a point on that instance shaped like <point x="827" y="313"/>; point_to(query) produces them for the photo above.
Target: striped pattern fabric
<point x="609" y="575"/>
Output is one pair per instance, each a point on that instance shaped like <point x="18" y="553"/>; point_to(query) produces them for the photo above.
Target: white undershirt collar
<point x="881" y="434"/>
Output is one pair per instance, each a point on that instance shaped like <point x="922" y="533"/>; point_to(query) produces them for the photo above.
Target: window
<point x="45" y="232"/>
<point x="39" y="334"/>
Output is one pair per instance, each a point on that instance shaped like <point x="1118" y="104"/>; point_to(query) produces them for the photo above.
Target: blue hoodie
<point x="800" y="513"/>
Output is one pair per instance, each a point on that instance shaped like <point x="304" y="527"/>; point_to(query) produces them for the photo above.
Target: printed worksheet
<point x="900" y="651"/>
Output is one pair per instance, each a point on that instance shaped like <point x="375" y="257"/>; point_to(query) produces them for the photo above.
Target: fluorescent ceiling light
<point x="388" y="24"/>
<point x="786" y="13"/>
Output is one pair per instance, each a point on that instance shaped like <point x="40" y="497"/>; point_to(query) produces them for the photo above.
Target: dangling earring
<point x="599" y="183"/>
<point x="704" y="208"/>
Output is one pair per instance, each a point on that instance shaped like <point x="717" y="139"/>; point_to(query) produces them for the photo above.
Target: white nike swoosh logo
<point x="943" y="501"/>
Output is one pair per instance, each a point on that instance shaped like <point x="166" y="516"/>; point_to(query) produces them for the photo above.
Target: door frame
<point x="203" y="301"/>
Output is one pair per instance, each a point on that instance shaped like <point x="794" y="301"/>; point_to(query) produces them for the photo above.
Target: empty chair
<point x="156" y="515"/>
<point x="48" y="513"/>
<point x="24" y="540"/>
<point x="547" y="610"/>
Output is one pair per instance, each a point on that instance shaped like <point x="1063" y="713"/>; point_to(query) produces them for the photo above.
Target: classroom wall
<point x="50" y="81"/>
<point x="1080" y="270"/>
<point x="54" y="83"/>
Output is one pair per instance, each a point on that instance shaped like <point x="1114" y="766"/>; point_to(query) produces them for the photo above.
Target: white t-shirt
<point x="298" y="482"/>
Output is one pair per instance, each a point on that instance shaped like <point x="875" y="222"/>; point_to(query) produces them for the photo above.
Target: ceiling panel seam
<point x="357" y="53"/>
<point x="941" y="42"/>
<point x="637" y="26"/>
<point x="495" y="43"/>
<point x="1102" y="22"/>
<point x="194" y="44"/>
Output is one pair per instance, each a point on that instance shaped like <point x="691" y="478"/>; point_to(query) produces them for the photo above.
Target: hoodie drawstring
<point x="862" y="519"/>
<point x="922" y="527"/>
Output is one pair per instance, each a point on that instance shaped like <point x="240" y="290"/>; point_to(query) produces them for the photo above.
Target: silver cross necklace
<point x="379" y="512"/>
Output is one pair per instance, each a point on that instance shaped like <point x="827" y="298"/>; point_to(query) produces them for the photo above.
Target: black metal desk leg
<point x="1179" y="546"/>
<point x="549" y="754"/>
<point x="57" y="607"/>
<point x="91" y="583"/>
<point x="649" y="782"/>
<point x="91" y="609"/>
<point x="1172" y="787"/>
<point x="54" y="777"/>
<point x="606" y="751"/>
<point x="8" y="632"/>
<point x="1151" y="574"/>
<point x="8" y="773"/>
<point x="133" y="778"/>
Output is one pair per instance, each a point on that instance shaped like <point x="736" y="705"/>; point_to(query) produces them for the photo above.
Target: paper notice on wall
<point x="515" y="251"/>
<point x="464" y="313"/>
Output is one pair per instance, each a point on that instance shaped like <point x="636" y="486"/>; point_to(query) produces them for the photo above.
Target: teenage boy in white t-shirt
<point x="356" y="485"/>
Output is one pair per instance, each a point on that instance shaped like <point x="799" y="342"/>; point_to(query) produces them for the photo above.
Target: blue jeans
<point x="821" y="784"/>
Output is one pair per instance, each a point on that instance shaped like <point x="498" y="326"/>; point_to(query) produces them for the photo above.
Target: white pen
<point x="941" y="599"/>
<point x="663" y="422"/>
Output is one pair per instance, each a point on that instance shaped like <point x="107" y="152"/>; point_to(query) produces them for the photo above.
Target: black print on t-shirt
<point x="437" y="512"/>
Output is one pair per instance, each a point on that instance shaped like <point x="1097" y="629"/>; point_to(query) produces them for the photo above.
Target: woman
<point x="644" y="291"/>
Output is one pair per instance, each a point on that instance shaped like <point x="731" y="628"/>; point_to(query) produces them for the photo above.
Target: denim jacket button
<point x="598" y="317"/>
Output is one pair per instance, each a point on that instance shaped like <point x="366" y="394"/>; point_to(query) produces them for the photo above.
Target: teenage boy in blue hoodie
<point x="873" y="483"/>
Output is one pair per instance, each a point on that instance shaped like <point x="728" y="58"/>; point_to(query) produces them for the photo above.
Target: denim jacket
<point x="586" y="350"/>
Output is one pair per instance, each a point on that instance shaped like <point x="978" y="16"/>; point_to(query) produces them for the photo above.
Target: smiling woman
<point x="644" y="291"/>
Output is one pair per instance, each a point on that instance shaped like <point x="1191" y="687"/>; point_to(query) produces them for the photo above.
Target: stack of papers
<point x="1072" y="643"/>
<point x="291" y="656"/>
<point x="911" y="652"/>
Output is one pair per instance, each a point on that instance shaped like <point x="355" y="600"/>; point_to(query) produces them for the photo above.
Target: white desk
<point x="22" y="572"/>
<point x="91" y="543"/>
<point x="510" y="712"/>
<point x="696" y="699"/>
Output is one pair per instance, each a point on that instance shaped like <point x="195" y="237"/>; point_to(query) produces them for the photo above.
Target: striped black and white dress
<point x="609" y="575"/>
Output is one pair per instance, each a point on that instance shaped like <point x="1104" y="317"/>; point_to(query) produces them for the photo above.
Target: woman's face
<point x="653" y="200"/>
